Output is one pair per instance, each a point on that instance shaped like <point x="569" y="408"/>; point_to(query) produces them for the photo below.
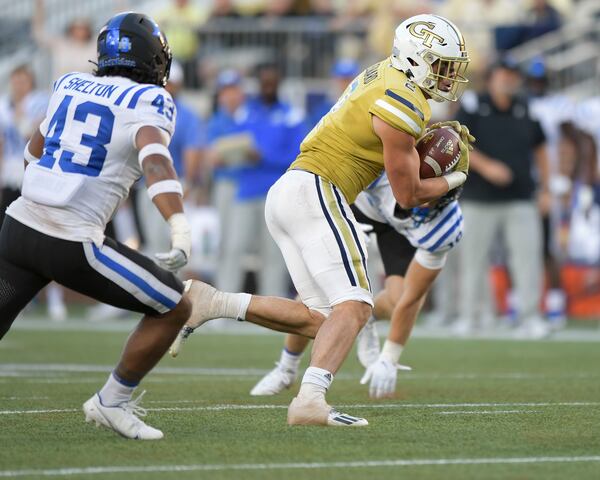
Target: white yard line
<point x="486" y="412"/>
<point x="63" y="472"/>
<point x="226" y="407"/>
<point x="37" y="370"/>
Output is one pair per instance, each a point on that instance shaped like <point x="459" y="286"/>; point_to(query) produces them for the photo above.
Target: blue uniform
<point x="189" y="134"/>
<point x="222" y="124"/>
<point x="278" y="130"/>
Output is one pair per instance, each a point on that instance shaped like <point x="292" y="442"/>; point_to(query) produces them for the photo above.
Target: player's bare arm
<point x="491" y="169"/>
<point x="166" y="192"/>
<point x="401" y="162"/>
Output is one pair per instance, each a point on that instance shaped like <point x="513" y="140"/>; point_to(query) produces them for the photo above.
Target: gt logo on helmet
<point x="427" y="35"/>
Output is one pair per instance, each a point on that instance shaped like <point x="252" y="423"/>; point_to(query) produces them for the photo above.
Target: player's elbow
<point x="407" y="200"/>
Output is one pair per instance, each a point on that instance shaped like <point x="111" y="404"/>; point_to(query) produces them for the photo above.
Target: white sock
<point x="54" y="295"/>
<point x="116" y="391"/>
<point x="316" y="382"/>
<point x="232" y="305"/>
<point x="289" y="360"/>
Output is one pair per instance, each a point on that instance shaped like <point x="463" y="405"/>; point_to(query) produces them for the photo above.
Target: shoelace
<point x="134" y="408"/>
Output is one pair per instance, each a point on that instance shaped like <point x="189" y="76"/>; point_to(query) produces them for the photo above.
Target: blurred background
<point x="252" y="77"/>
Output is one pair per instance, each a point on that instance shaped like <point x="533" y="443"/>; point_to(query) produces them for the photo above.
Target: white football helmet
<point x="431" y="51"/>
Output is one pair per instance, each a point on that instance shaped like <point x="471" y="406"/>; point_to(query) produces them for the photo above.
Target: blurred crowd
<point x="240" y="123"/>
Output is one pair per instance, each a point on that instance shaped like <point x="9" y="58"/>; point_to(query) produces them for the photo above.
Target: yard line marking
<point x="24" y="398"/>
<point x="22" y="369"/>
<point x="485" y="412"/>
<point x="298" y="466"/>
<point x="225" y="407"/>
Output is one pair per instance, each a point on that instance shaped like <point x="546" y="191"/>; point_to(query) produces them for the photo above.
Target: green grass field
<point x="491" y="409"/>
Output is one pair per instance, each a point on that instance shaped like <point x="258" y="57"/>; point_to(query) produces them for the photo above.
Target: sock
<point x="116" y="391"/>
<point x="232" y="305"/>
<point x="556" y="303"/>
<point x="392" y="351"/>
<point x="316" y="382"/>
<point x="54" y="295"/>
<point x="289" y="360"/>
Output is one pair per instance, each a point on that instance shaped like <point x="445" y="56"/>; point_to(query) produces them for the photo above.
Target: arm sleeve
<point x="401" y="110"/>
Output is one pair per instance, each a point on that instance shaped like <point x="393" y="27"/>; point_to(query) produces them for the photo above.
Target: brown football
<point x="439" y="151"/>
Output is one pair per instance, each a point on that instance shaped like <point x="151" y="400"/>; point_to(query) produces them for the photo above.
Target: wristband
<point x="154" y="149"/>
<point x="455" y="179"/>
<point x="181" y="235"/>
<point x="164" y="186"/>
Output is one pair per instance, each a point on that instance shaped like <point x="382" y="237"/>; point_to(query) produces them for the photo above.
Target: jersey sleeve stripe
<point x="400" y="114"/>
<point x="440" y="241"/>
<point x="405" y="102"/>
<point x="440" y="224"/>
<point x="59" y="82"/>
<point x="136" y="96"/>
<point x="124" y="93"/>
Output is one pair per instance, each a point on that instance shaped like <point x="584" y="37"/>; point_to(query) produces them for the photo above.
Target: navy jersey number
<point x="96" y="143"/>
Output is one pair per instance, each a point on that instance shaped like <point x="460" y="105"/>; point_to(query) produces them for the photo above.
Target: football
<point x="439" y="152"/>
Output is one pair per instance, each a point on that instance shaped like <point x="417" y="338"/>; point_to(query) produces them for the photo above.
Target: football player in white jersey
<point x="413" y="245"/>
<point x="101" y="133"/>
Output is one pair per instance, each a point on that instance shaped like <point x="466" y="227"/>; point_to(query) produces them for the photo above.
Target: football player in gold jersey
<point x="374" y="126"/>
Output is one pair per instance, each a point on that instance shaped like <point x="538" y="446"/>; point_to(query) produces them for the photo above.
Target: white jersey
<point x="90" y="159"/>
<point x="435" y="235"/>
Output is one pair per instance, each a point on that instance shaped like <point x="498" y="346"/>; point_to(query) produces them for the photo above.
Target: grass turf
<point x="519" y="378"/>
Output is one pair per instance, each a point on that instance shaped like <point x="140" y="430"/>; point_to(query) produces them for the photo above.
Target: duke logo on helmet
<point x="133" y="46"/>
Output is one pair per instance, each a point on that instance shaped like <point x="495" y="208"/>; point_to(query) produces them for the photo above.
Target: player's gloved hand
<point x="181" y="244"/>
<point x="466" y="139"/>
<point x="462" y="130"/>
<point x="382" y="374"/>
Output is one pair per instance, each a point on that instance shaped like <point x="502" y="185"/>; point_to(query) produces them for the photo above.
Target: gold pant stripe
<point x="344" y="230"/>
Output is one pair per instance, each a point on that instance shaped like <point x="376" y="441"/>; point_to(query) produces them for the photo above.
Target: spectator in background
<point x="276" y="132"/>
<point x="180" y="21"/>
<point x="343" y="72"/>
<point x="71" y="52"/>
<point x="500" y="196"/>
<point x="223" y="9"/>
<point x="551" y="111"/>
<point x="186" y="149"/>
<point x="21" y="112"/>
<point x="230" y="148"/>
<point x="542" y="18"/>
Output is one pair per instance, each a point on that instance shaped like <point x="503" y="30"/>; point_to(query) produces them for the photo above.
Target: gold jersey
<point x="343" y="147"/>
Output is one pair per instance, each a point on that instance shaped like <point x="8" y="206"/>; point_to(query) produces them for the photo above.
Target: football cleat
<point x="316" y="411"/>
<point x="532" y="328"/>
<point x="122" y="418"/>
<point x="274" y="382"/>
<point x="367" y="344"/>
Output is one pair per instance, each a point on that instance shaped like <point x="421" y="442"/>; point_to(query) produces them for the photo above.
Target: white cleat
<point x="122" y="418"/>
<point x="533" y="328"/>
<point x="274" y="382"/>
<point x="316" y="411"/>
<point x="367" y="344"/>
